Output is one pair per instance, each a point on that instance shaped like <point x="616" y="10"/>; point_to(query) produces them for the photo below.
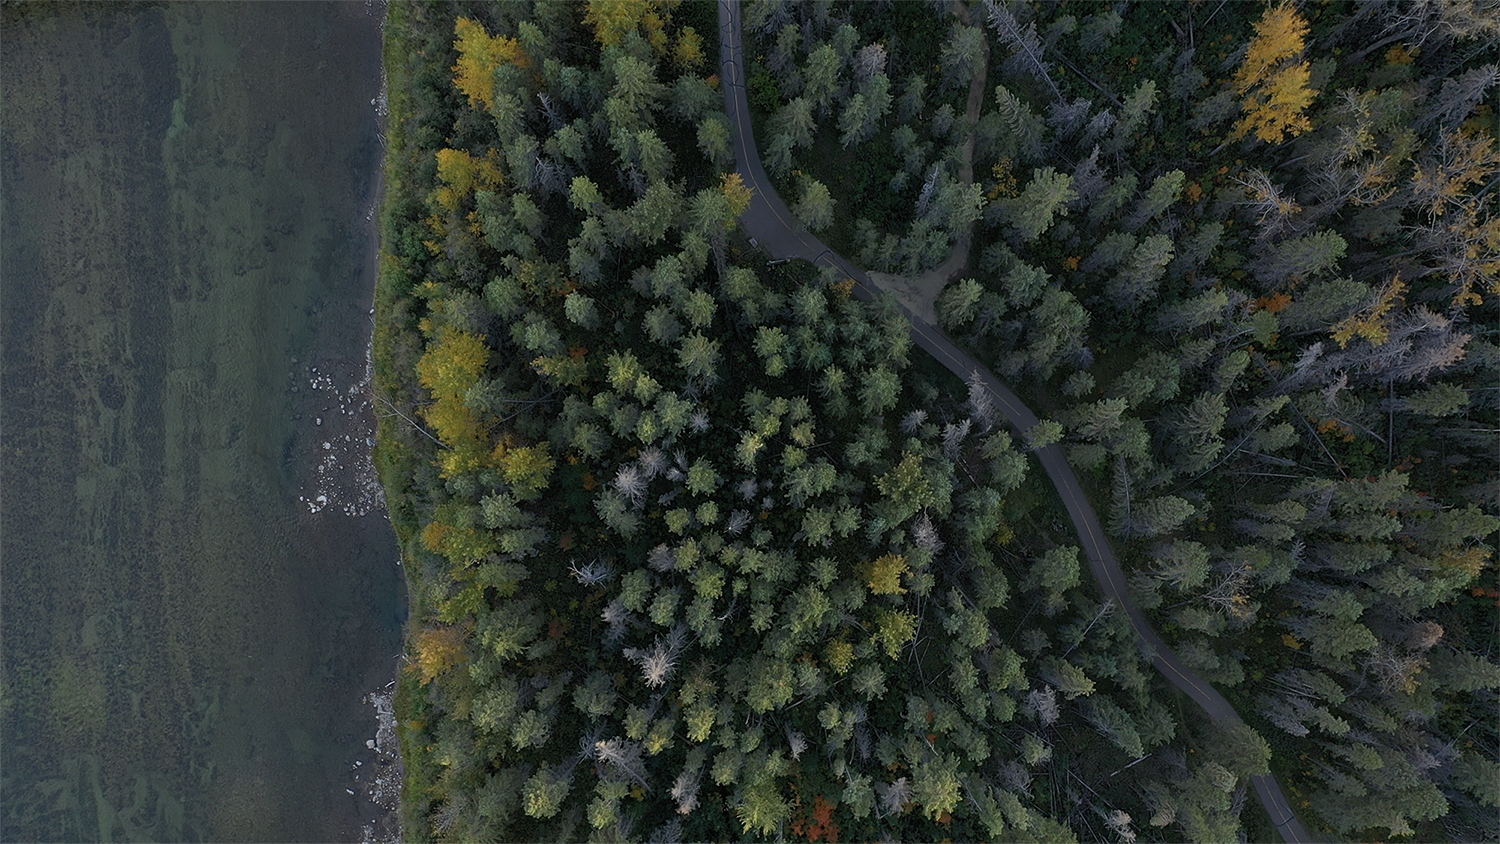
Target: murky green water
<point x="186" y="267"/>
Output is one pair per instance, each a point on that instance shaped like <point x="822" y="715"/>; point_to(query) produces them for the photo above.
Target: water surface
<point x="186" y="268"/>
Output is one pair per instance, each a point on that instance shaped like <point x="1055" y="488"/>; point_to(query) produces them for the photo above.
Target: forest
<point x="701" y="546"/>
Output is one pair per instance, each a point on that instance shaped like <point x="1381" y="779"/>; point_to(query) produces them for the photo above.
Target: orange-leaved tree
<point x="1273" y="80"/>
<point x="479" y="53"/>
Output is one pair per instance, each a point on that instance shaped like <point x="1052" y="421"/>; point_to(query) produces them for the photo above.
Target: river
<point x="199" y="585"/>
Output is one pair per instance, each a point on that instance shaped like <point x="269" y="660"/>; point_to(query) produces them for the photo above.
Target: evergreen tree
<point x="1045" y="197"/>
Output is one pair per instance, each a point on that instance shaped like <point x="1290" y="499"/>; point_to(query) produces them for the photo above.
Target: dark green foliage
<point x="1295" y="509"/>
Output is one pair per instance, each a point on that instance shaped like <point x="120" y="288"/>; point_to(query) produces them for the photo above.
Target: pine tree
<point x="1476" y="773"/>
<point x="1098" y="29"/>
<point x="1207" y="308"/>
<point x="1025" y="45"/>
<point x="795" y="121"/>
<point x="1140" y="274"/>
<point x="1163" y="192"/>
<point x="1066" y="677"/>
<point x="815" y="209"/>
<point x="961" y="54"/>
<point x="1116" y="724"/>
<point x="820" y="77"/>
<point x="544" y="793"/>
<point x="1025" y="128"/>
<point x="1301" y="258"/>
<point x="1113" y="198"/>
<point x="1053" y="575"/>
<point x="1134" y="113"/>
<point x="913" y="99"/>
<point x="1197" y="437"/>
<point x="714" y="140"/>
<point x="958" y="303"/>
<point x="1045" y="197"/>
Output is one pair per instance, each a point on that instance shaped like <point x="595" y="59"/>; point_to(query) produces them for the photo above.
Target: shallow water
<point x="186" y="261"/>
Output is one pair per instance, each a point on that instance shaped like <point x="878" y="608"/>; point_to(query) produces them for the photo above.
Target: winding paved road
<point x="772" y="225"/>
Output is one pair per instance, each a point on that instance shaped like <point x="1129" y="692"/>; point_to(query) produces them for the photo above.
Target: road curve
<point x="772" y="225"/>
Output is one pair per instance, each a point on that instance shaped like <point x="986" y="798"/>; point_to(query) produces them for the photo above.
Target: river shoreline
<point x="379" y="785"/>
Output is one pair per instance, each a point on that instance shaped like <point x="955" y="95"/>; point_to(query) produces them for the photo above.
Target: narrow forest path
<point x="768" y="221"/>
<point x="919" y="293"/>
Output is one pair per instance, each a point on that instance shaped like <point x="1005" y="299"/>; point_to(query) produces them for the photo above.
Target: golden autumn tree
<point x="448" y="368"/>
<point x="460" y="544"/>
<point x="454" y="534"/>
<point x="1461" y="159"/>
<point x="528" y="469"/>
<point x="1273" y="79"/>
<point x="689" y="50"/>
<point x="1372" y="322"/>
<point x="612" y="20"/>
<point x="438" y="650"/>
<point x="479" y="54"/>
<point x="883" y="576"/>
<point x="462" y="174"/>
<point x="736" y="193"/>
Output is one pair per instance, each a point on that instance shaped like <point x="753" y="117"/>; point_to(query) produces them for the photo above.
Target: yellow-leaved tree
<point x="461" y="174"/>
<point x="1273" y="80"/>
<point x="736" y="193"/>
<point x="1371" y="322"/>
<point x="612" y="20"/>
<point x="439" y="649"/>
<point x="1461" y="233"/>
<point x="883" y="576"/>
<point x="479" y="53"/>
<point x="689" y="50"/>
<point x="450" y="366"/>
<point x="528" y="469"/>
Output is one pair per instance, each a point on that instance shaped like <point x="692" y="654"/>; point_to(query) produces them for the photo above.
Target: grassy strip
<point x="416" y="43"/>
